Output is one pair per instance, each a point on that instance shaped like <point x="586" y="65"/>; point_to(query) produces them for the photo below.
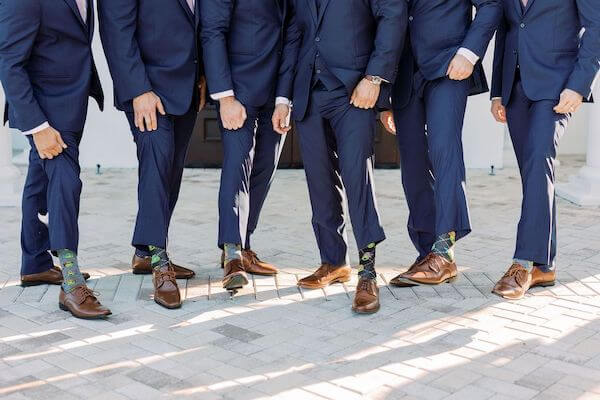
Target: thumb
<point x="60" y="141"/>
<point x="160" y="108"/>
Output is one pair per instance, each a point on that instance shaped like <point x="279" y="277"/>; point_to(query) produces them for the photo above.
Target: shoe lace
<point x="166" y="276"/>
<point x="83" y="292"/>
<point x="514" y="270"/>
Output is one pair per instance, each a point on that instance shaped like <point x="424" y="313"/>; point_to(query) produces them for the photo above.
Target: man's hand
<point x="365" y="94"/>
<point x="498" y="110"/>
<point x="48" y="143"/>
<point x="570" y="101"/>
<point x="387" y="119"/>
<point x="144" y="109"/>
<point x="202" y="89"/>
<point x="233" y="113"/>
<point x="281" y="119"/>
<point x="460" y="68"/>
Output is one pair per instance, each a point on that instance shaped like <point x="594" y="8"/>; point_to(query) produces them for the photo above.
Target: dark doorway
<point x="206" y="150"/>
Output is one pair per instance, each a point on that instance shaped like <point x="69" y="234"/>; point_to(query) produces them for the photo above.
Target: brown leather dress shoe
<point x="234" y="275"/>
<point x="432" y="270"/>
<point x="53" y="276"/>
<point x="166" y="291"/>
<point x="253" y="265"/>
<point x="143" y="266"/>
<point x="366" y="298"/>
<point x="82" y="303"/>
<point x="517" y="281"/>
<point x="326" y="275"/>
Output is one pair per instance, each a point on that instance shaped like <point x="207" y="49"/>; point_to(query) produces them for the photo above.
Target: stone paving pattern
<point x="455" y="341"/>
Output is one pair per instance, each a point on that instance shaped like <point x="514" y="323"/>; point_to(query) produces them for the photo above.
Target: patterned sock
<point x="232" y="252"/>
<point x="159" y="257"/>
<point x="444" y="246"/>
<point x="72" y="277"/>
<point x="366" y="269"/>
<point x="528" y="265"/>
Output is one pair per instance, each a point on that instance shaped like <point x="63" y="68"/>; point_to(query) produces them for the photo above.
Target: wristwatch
<point x="375" y="80"/>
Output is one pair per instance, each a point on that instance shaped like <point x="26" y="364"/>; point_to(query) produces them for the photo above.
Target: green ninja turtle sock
<point x="159" y="257"/>
<point x="366" y="268"/>
<point x="444" y="246"/>
<point x="72" y="277"/>
<point x="232" y="252"/>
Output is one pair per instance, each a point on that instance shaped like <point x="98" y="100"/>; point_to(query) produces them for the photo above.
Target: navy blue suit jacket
<point x="544" y="40"/>
<point x="242" y="41"/>
<point x="46" y="64"/>
<point x="151" y="45"/>
<point x="437" y="29"/>
<point x="354" y="38"/>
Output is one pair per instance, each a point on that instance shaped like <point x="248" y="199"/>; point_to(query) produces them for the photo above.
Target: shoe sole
<point x="39" y="283"/>
<point x="541" y="284"/>
<point x="256" y="273"/>
<point x="65" y="308"/>
<point x="138" y="272"/>
<point x="410" y="282"/>
<point x="339" y="280"/>
<point x="166" y="306"/>
<point x="236" y="282"/>
<point x="366" y="311"/>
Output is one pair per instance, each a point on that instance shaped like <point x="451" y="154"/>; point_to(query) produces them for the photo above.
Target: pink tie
<point x="191" y="3"/>
<point x="524" y="3"/>
<point x="82" y="5"/>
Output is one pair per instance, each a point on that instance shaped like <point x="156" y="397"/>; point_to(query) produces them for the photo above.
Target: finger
<point x="61" y="142"/>
<point x="160" y="108"/>
<point x="42" y="155"/>
<point x="49" y="156"/>
<point x="140" y="122"/>
<point x="153" y="120"/>
<point x="148" y="122"/>
<point x="450" y="68"/>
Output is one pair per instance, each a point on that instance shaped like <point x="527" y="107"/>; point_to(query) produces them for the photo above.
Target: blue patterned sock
<point x="72" y="276"/>
<point x="444" y="246"/>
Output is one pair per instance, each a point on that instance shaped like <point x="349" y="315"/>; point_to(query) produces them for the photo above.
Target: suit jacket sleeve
<point x="118" y="24"/>
<point x="19" y="24"/>
<point x="216" y="18"/>
<point x="588" y="60"/>
<point x="392" y="22"/>
<point x="497" y="71"/>
<point x="289" y="59"/>
<point x="489" y="13"/>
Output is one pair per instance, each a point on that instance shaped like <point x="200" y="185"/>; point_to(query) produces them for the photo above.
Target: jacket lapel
<point x="518" y="6"/>
<point x="187" y="10"/>
<point x="529" y="3"/>
<point x="322" y="11"/>
<point x="313" y="9"/>
<point x="91" y="17"/>
<point x="73" y="5"/>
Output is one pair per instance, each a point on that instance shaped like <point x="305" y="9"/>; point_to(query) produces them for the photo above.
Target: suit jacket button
<point x="410" y="18"/>
<point x="522" y="24"/>
<point x="317" y="39"/>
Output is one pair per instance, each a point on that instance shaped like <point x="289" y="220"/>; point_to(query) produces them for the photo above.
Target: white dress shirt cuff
<point x="468" y="54"/>
<point x="283" y="100"/>
<point x="37" y="129"/>
<point x="220" y="95"/>
<point x="496" y="98"/>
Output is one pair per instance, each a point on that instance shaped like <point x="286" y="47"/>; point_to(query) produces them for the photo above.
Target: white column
<point x="584" y="188"/>
<point x="9" y="174"/>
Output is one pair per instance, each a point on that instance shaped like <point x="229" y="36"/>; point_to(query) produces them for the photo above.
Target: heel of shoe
<point x="342" y="280"/>
<point x="545" y="284"/>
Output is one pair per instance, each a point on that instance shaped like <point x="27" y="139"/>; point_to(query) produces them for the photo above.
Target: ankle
<point x="231" y="251"/>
